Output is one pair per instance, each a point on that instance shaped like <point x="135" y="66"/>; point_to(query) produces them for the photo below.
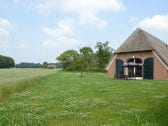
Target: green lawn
<point x="13" y="75"/>
<point x="66" y="99"/>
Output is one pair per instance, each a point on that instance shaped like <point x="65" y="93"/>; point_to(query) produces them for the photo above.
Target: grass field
<point x="14" y="75"/>
<point x="66" y="99"/>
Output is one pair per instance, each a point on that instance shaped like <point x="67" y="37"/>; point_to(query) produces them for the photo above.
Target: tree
<point x="45" y="65"/>
<point x="104" y="53"/>
<point x="86" y="59"/>
<point x="10" y="62"/>
<point x="86" y="55"/>
<point x="6" y="62"/>
<point x="68" y="59"/>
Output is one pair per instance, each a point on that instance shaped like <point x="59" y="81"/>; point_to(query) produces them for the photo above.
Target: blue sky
<point x="39" y="30"/>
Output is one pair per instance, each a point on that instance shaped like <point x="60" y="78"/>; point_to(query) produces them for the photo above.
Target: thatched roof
<point x="140" y="40"/>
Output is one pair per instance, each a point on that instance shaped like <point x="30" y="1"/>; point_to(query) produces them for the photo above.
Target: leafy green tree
<point x="86" y="55"/>
<point x="10" y="62"/>
<point x="86" y="59"/>
<point x="69" y="59"/>
<point x="45" y="65"/>
<point x="6" y="62"/>
<point x="104" y="52"/>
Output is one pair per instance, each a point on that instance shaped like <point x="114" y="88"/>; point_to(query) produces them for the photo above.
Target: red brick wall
<point x="111" y="70"/>
<point x="160" y="72"/>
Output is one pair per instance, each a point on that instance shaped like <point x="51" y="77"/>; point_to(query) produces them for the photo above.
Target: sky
<point x="40" y="30"/>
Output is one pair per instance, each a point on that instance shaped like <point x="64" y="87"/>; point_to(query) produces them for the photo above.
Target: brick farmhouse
<point x="141" y="56"/>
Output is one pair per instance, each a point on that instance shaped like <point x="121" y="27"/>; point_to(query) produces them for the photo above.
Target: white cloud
<point x="156" y="23"/>
<point x="3" y="32"/>
<point x="63" y="43"/>
<point x="5" y="26"/>
<point x="4" y="23"/>
<point x="87" y="10"/>
<point x="62" y="37"/>
<point x="92" y="20"/>
<point x="65" y="27"/>
<point x="79" y="6"/>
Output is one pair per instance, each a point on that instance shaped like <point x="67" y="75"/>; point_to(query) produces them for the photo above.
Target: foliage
<point x="104" y="53"/>
<point x="65" y="99"/>
<point x="86" y="55"/>
<point x="69" y="59"/>
<point x="6" y="62"/>
<point x="28" y="65"/>
<point x="58" y="65"/>
<point x="86" y="59"/>
<point x="45" y="65"/>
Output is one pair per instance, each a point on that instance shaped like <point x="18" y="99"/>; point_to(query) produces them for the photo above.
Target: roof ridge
<point x="137" y="41"/>
<point x="150" y="35"/>
<point x="146" y="34"/>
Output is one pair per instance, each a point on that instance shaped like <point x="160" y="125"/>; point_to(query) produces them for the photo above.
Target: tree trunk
<point x="82" y="71"/>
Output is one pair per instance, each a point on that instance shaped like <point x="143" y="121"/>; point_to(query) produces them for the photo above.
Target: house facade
<point x="141" y="56"/>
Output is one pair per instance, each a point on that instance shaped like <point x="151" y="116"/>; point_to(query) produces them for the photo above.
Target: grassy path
<point x="65" y="99"/>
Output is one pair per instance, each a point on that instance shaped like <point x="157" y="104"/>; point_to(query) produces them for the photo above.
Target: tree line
<point x="45" y="65"/>
<point x="6" y="62"/>
<point x="28" y="65"/>
<point x="86" y="59"/>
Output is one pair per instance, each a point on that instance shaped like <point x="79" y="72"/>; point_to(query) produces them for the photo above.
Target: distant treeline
<point x="28" y="65"/>
<point x="38" y="65"/>
<point x="6" y="62"/>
